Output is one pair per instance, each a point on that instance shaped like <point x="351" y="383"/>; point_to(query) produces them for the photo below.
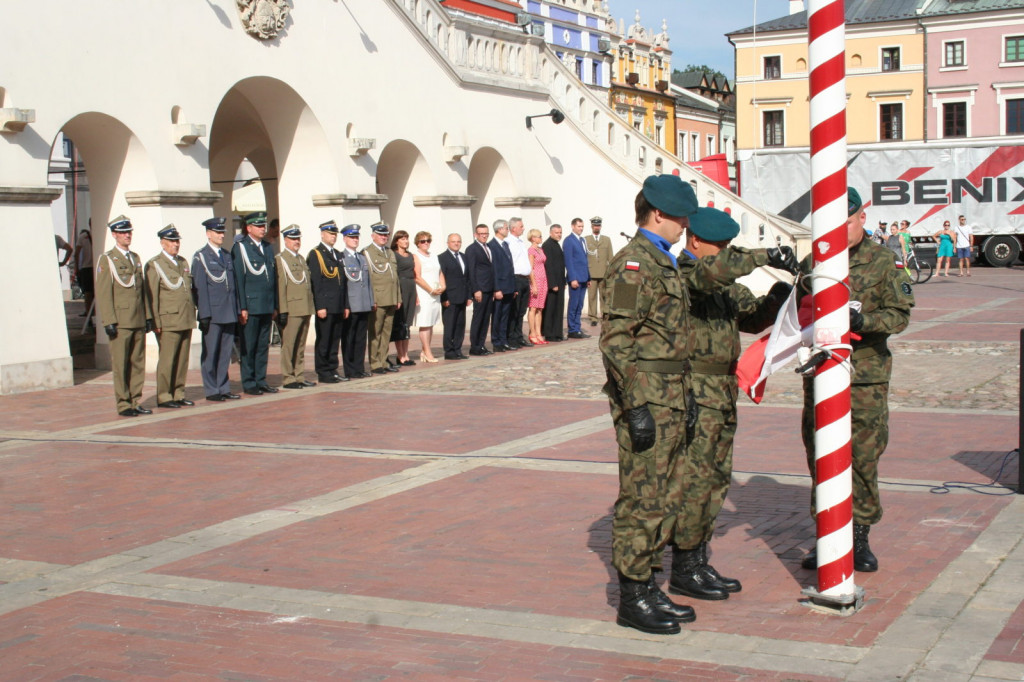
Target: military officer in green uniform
<point x="124" y="315"/>
<point x="256" y="287"/>
<point x="599" y="252"/>
<point x="295" y="298"/>
<point x="714" y="322"/>
<point x="646" y="358"/>
<point x="386" y="295"/>
<point x="169" y="289"/>
<point x="885" y="300"/>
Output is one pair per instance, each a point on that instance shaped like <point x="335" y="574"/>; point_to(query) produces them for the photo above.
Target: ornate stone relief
<point x="263" y="18"/>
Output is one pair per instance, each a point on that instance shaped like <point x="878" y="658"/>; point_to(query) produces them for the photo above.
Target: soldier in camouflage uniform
<point x="714" y="323"/>
<point x="643" y="342"/>
<point x="886" y="299"/>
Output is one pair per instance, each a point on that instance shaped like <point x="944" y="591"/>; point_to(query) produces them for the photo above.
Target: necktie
<point x="220" y="256"/>
<point x="508" y="249"/>
<point x="487" y="250"/>
<point x="458" y="258"/>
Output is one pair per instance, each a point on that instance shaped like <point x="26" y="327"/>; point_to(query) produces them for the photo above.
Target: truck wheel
<point x="1001" y="252"/>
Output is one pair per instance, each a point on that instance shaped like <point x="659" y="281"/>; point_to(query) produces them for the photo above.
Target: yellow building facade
<point x="885" y="85"/>
<point x="639" y="90"/>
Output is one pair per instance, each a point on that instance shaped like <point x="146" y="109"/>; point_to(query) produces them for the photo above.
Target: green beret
<point x="713" y="225"/>
<point x="853" y="201"/>
<point x="670" y="195"/>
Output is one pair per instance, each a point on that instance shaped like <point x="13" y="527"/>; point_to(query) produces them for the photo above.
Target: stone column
<point x="34" y="351"/>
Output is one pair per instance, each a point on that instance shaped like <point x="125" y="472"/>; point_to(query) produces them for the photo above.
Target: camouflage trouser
<point x="706" y="477"/>
<point x="644" y="511"/>
<point x="869" y="435"/>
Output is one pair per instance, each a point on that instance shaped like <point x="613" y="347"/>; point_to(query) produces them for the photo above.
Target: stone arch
<point x="402" y="174"/>
<point x="266" y="121"/>
<point x="489" y="179"/>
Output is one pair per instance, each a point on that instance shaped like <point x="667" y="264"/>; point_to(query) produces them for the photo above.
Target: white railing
<point x="477" y="51"/>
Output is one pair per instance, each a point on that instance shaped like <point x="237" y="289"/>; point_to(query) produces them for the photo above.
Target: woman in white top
<point x="430" y="283"/>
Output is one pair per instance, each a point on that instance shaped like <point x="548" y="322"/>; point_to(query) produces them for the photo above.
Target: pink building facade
<point x="975" y="70"/>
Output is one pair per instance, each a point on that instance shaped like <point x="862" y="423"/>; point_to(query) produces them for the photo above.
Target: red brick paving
<point x="87" y="501"/>
<point x="991" y="333"/>
<point x="124" y="638"/>
<point x="539" y="542"/>
<point x="454" y="424"/>
<point x="1009" y="644"/>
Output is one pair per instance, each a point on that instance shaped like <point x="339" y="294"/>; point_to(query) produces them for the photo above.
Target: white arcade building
<point x="356" y="110"/>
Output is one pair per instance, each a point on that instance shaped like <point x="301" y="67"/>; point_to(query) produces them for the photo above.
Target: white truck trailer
<point x="925" y="183"/>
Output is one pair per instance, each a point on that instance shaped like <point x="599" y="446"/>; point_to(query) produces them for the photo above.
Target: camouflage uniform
<point x="644" y="344"/>
<point x="714" y="323"/>
<point x="886" y="299"/>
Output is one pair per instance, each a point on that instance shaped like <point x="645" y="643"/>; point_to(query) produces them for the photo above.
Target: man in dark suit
<point x="577" y="274"/>
<point x="256" y="286"/>
<point x="480" y="276"/>
<point x="455" y="298"/>
<point x="213" y="286"/>
<point x="554" y="304"/>
<point x="329" y="301"/>
<point x="504" y="287"/>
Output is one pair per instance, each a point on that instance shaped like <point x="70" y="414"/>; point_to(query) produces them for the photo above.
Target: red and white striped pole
<point x="833" y="497"/>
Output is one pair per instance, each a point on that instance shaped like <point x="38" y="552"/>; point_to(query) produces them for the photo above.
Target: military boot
<point x="863" y="559"/>
<point x="681" y="612"/>
<point x="689" y="578"/>
<point x="727" y="584"/>
<point x="638" y="608"/>
<point x="810" y="560"/>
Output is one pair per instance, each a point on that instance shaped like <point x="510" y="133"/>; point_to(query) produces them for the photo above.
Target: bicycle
<point x="920" y="271"/>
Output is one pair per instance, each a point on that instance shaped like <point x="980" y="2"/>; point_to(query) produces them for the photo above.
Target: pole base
<point x="838" y="604"/>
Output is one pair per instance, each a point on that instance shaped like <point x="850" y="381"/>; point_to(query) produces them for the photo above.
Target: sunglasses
<point x="425" y="241"/>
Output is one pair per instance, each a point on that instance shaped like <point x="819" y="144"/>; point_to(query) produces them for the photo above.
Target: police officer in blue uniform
<point x="359" y="290"/>
<point x="256" y="286"/>
<point x="213" y="287"/>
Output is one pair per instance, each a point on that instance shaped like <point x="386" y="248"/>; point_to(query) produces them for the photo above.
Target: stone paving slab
<point x="76" y="504"/>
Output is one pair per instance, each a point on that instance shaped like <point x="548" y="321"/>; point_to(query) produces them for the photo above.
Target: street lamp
<point x="556" y="116"/>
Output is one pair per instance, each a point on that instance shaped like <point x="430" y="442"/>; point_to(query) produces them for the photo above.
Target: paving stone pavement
<point x="453" y="522"/>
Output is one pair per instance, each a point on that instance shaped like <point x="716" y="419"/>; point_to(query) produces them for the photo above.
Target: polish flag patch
<point x="633" y="265"/>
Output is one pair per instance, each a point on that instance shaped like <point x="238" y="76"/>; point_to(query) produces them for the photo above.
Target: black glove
<point x="282" y="320"/>
<point x="111" y="330"/>
<point x="641" y="428"/>
<point x="780" y="291"/>
<point x="150" y="326"/>
<point x="856" y="320"/>
<point x="783" y="258"/>
<point x="204" y="324"/>
<point x="691" y="415"/>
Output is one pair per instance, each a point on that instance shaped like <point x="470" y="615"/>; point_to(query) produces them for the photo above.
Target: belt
<point x="880" y="348"/>
<point x="719" y="368"/>
<point x="664" y="366"/>
<point x="522" y="277"/>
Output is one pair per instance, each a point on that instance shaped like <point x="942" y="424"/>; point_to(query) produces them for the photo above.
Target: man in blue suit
<point x="213" y="288"/>
<point x="256" y="284"/>
<point x="577" y="275"/>
<point x="504" y="287"/>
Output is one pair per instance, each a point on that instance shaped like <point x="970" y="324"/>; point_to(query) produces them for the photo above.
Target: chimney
<point x="796" y="6"/>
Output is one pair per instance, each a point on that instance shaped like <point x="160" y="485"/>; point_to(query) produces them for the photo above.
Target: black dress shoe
<point x="230" y="396"/>
<point x="501" y="349"/>
<point x="554" y="339"/>
<point x="267" y="389"/>
<point x="329" y="380"/>
<point x="185" y="403"/>
<point x="579" y="335"/>
<point x="525" y="343"/>
<point x="364" y="375"/>
<point x="391" y="368"/>
<point x="218" y="398"/>
<point x="450" y="356"/>
<point x="130" y="412"/>
<point x="460" y="356"/>
<point x="143" y="410"/>
<point x="379" y="370"/>
<point x="253" y="391"/>
<point x="476" y="351"/>
<point x="408" y="363"/>
<point x="169" y="403"/>
<point x="294" y="384"/>
<point x="308" y="384"/>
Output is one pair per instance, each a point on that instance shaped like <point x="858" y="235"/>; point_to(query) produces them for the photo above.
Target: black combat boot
<point x="689" y="578"/>
<point x="681" y="612"/>
<point x="727" y="584"/>
<point x="638" y="608"/>
<point x="863" y="559"/>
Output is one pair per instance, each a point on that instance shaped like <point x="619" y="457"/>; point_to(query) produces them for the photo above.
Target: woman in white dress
<point x="430" y="284"/>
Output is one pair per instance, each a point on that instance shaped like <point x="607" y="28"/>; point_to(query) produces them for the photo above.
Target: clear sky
<point x="697" y="28"/>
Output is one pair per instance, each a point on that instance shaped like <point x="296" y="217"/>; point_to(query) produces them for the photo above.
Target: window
<point x="954" y="119"/>
<point x="773" y="129"/>
<point x="1015" y="117"/>
<point x="1015" y="49"/>
<point x="890" y="59"/>
<point x="954" y="53"/>
<point x="694" y="146"/>
<point x="579" y="68"/>
<point x="657" y="134"/>
<point x="772" y="68"/>
<point x="595" y="67"/>
<point x="890" y="122"/>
